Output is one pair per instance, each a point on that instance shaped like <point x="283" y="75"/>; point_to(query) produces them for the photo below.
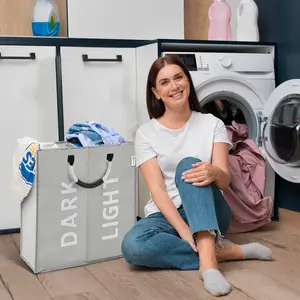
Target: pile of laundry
<point x="89" y="134"/>
<point x="82" y="134"/>
<point x="245" y="195"/>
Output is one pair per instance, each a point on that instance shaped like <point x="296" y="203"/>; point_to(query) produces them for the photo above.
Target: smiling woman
<point x="172" y="87"/>
<point x="187" y="214"/>
<point x="168" y="77"/>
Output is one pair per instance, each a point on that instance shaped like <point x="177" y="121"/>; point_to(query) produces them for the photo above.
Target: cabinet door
<point x="100" y="90"/>
<point x="28" y="109"/>
<point x="130" y="19"/>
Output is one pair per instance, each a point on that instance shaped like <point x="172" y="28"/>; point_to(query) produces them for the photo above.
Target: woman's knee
<point x="184" y="165"/>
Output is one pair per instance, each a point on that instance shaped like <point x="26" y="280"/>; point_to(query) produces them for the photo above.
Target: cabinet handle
<point x="31" y="56"/>
<point x="86" y="58"/>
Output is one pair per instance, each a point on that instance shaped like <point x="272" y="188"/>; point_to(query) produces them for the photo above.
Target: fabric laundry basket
<point x="82" y="203"/>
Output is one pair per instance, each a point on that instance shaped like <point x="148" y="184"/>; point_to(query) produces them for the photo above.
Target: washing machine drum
<point x="285" y="130"/>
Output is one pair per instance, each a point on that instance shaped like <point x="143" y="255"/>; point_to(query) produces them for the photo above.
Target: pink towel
<point x="245" y="195"/>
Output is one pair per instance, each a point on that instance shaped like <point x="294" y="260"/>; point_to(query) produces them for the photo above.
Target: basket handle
<point x="91" y="185"/>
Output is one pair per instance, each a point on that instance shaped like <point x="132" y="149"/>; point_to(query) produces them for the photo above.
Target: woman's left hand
<point x="201" y="174"/>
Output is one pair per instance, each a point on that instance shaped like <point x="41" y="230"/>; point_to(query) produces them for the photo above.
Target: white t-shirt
<point x="170" y="146"/>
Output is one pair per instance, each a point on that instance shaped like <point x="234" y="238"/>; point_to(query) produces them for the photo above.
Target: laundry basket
<point x="81" y="204"/>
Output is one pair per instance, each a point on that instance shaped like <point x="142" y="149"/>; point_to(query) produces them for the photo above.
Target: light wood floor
<point x="115" y="280"/>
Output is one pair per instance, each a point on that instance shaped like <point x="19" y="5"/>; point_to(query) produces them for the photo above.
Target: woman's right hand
<point x="187" y="236"/>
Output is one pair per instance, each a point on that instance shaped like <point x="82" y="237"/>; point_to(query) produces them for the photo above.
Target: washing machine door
<point x="281" y="130"/>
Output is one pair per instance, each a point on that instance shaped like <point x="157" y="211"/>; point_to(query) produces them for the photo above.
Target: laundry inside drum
<point x="225" y="110"/>
<point x="233" y="110"/>
<point x="235" y="114"/>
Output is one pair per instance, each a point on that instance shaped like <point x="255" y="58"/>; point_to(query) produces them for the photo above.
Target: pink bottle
<point x="219" y="15"/>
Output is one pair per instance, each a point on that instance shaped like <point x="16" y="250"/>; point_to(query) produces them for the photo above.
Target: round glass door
<point x="281" y="132"/>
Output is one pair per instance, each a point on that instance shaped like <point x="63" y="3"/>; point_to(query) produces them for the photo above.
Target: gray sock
<point x="256" y="251"/>
<point x="215" y="283"/>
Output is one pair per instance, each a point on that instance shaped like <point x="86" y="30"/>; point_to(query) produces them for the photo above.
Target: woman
<point x="183" y="156"/>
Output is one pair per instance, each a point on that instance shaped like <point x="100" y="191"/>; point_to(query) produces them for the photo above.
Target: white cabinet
<point x="28" y="108"/>
<point x="130" y="19"/>
<point x="99" y="84"/>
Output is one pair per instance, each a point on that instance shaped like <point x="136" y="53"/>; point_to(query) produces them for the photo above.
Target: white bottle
<point x="247" y="27"/>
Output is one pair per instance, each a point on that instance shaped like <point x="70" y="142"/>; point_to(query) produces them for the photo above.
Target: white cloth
<point x="24" y="165"/>
<point x="195" y="139"/>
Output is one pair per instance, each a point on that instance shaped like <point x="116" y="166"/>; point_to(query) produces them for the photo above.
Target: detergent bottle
<point x="247" y="27"/>
<point x="219" y="15"/>
<point x="45" y="18"/>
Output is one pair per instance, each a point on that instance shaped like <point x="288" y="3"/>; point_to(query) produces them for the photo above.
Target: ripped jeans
<point x="153" y="241"/>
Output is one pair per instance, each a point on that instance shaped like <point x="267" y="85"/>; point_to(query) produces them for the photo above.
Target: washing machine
<point x="246" y="83"/>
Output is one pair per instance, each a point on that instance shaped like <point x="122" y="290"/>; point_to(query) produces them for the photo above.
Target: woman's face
<point x="172" y="87"/>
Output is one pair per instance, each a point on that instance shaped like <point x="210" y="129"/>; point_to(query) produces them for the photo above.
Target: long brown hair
<point x="157" y="108"/>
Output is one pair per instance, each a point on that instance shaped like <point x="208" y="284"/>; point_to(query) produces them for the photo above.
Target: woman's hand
<point x="186" y="235"/>
<point x="201" y="174"/>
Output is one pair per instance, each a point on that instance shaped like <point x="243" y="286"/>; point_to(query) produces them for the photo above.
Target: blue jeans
<point x="153" y="241"/>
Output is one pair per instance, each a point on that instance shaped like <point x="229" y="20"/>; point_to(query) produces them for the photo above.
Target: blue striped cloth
<point x="89" y="134"/>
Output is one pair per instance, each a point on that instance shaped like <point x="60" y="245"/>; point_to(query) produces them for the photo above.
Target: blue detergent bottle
<point x="45" y="18"/>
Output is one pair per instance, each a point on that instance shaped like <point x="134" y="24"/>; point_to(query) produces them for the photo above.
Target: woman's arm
<point x="154" y="180"/>
<point x="147" y="162"/>
<point x="155" y="183"/>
